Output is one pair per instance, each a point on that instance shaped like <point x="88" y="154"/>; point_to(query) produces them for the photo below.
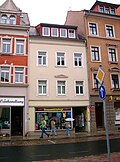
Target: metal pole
<point x="106" y="128"/>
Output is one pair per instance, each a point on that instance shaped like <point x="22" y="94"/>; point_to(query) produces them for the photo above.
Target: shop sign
<point x="117" y="98"/>
<point x="11" y="101"/>
<point x="53" y="109"/>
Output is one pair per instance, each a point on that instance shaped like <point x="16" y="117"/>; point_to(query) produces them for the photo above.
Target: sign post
<point x="102" y="95"/>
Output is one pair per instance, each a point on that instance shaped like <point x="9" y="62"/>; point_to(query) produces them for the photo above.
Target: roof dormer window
<point x="112" y="11"/>
<point x="71" y="33"/>
<point x="12" y="20"/>
<point x="63" y="33"/>
<point x="46" y="31"/>
<point x="101" y="9"/>
<point x="4" y="19"/>
<point x="107" y="10"/>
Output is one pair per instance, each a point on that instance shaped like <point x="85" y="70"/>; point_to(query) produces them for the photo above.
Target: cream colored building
<point x="58" y="79"/>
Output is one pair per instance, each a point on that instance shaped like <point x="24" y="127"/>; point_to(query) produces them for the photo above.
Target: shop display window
<point x="4" y="118"/>
<point x="58" y="117"/>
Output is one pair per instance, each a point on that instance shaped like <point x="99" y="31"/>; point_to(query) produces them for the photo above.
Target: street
<point x="56" y="151"/>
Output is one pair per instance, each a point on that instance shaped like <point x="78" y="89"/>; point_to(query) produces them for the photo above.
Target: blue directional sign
<point x="102" y="92"/>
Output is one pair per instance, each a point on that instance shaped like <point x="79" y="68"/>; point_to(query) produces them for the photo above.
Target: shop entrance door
<point x="99" y="115"/>
<point x="16" y="121"/>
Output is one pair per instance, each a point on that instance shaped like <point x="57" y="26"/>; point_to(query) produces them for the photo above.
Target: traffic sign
<point x="102" y="92"/>
<point x="100" y="75"/>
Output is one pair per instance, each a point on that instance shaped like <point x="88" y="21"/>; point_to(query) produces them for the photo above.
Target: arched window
<point x="12" y="20"/>
<point x="4" y="19"/>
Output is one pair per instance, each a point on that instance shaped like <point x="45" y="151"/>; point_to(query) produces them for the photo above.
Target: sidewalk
<point x="60" y="138"/>
<point x="78" y="137"/>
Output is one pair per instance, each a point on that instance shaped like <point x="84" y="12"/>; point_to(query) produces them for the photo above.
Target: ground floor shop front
<point x="59" y="115"/>
<point x="13" y="111"/>
<point x="112" y="106"/>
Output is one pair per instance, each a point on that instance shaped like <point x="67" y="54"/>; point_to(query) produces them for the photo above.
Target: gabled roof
<point x="9" y="5"/>
<point x="104" y="3"/>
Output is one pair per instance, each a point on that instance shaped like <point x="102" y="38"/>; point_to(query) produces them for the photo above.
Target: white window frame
<point x="96" y="29"/>
<point x="19" y="73"/>
<point x="12" y="20"/>
<point x="79" y="59"/>
<point x="109" y="56"/>
<point x="112" y="85"/>
<point x="63" y="33"/>
<point x="99" y="53"/>
<point x="61" y="87"/>
<point x="20" y="45"/>
<point x="79" y="87"/>
<point x="101" y="8"/>
<point x="43" y="55"/>
<point x="6" y="44"/>
<point x="61" y="58"/>
<point x="42" y="85"/>
<point x="71" y="35"/>
<point x="4" y="19"/>
<point x="54" y="32"/>
<point x="113" y="32"/>
<point x="5" y="71"/>
<point x="112" y="11"/>
<point x="107" y="10"/>
<point x="46" y="31"/>
<point x="97" y="83"/>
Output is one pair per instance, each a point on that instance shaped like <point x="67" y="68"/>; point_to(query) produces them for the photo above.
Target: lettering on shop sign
<point x="12" y="101"/>
<point x="53" y="109"/>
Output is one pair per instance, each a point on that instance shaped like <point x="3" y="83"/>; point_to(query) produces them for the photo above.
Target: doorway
<point x="16" y="121"/>
<point x="99" y="115"/>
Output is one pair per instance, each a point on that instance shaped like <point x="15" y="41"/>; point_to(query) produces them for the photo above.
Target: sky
<point x="53" y="11"/>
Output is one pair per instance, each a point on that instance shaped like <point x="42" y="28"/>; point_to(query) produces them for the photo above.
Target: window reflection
<point x="4" y="118"/>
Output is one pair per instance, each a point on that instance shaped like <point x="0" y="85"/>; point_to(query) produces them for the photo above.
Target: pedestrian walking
<point x="53" y="128"/>
<point x="67" y="125"/>
<point x="43" y="126"/>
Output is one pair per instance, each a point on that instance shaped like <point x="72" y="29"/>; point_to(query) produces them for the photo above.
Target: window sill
<point x="95" y="89"/>
<point x="58" y="66"/>
<point x="5" y="54"/>
<point x="112" y="62"/>
<point x="115" y="89"/>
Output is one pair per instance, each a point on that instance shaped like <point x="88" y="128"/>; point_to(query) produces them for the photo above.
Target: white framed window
<point x="93" y="29"/>
<point x="61" y="87"/>
<point x="63" y="33"/>
<point x="42" y="87"/>
<point x="115" y="81"/>
<point x="6" y="45"/>
<point x="46" y="31"/>
<point x="20" y="46"/>
<point x="19" y="75"/>
<point x="60" y="59"/>
<point x="4" y="19"/>
<point x="5" y="74"/>
<point x="77" y="59"/>
<point x="42" y="58"/>
<point x="112" y="11"/>
<point x="71" y="33"/>
<point x="112" y="54"/>
<point x="101" y="8"/>
<point x="107" y="10"/>
<point x="79" y="87"/>
<point x="95" y="53"/>
<point x="12" y="20"/>
<point x="109" y="31"/>
<point x="95" y="81"/>
<point x="54" y="32"/>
